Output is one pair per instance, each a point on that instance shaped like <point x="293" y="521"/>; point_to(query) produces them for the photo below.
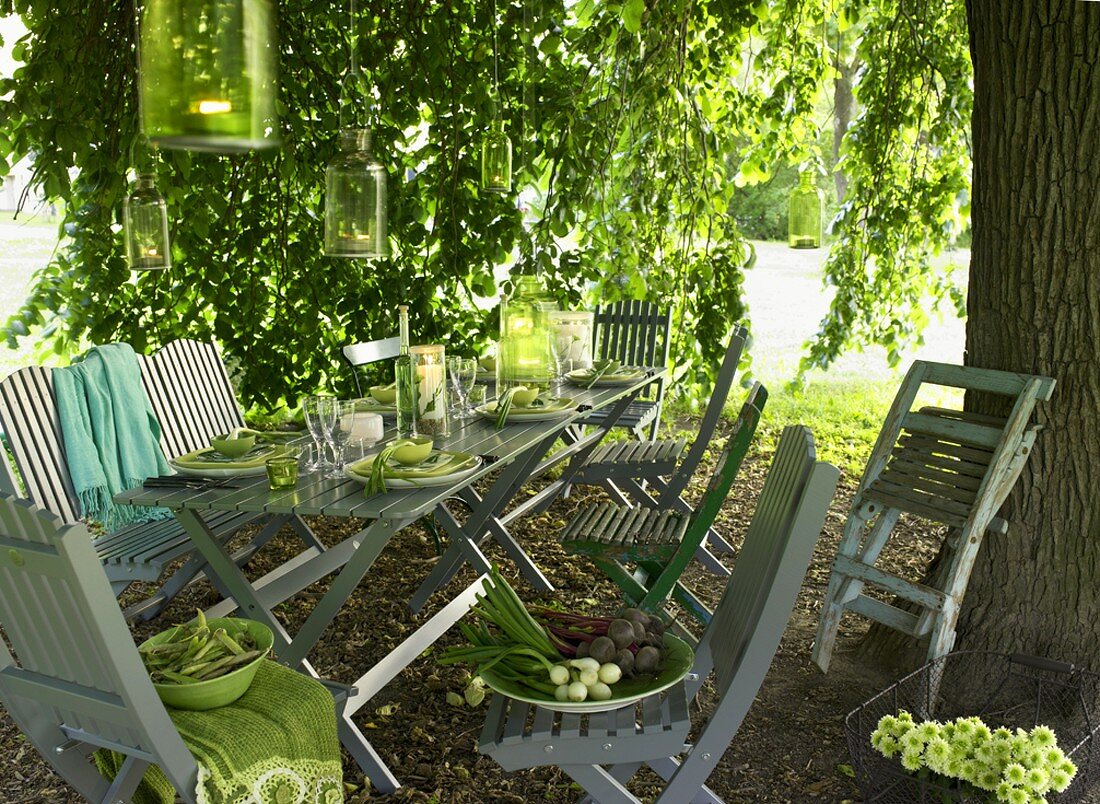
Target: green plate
<point x="372" y="405"/>
<point x="621" y="376"/>
<point x="220" y="691"/>
<point x="557" y="408"/>
<point x="678" y="661"/>
<point x="440" y="469"/>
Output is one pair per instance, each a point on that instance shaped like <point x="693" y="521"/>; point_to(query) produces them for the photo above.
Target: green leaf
<point x="633" y="11"/>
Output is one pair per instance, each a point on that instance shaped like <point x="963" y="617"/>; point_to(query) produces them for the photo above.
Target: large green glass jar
<point x="524" y="355"/>
<point x="804" y="221"/>
<point x="208" y="78"/>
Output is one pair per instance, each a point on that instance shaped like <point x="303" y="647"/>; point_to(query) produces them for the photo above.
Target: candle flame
<point x="214" y="106"/>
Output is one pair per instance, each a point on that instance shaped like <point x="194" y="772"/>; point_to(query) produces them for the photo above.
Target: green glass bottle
<point x="145" y="227"/>
<point x="208" y="80"/>
<point x="356" y="200"/>
<point x="403" y="375"/>
<point x="804" y="221"/>
<point x="496" y="159"/>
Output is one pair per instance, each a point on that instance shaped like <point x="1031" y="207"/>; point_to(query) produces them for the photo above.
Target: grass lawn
<point x="25" y="246"/>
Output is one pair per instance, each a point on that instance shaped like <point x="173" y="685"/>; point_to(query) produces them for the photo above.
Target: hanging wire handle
<point x="496" y="62"/>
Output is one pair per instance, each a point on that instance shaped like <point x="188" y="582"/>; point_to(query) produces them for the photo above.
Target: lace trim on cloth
<point x="275" y="781"/>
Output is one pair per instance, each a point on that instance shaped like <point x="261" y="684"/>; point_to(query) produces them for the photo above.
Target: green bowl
<point x="384" y="394"/>
<point x="413" y="450"/>
<point x="521" y="398"/>
<point x="233" y="447"/>
<point x="220" y="691"/>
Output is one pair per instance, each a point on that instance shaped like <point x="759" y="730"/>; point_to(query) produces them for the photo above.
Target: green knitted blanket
<point x="275" y="745"/>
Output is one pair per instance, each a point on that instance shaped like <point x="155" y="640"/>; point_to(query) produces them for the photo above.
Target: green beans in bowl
<point x="205" y="664"/>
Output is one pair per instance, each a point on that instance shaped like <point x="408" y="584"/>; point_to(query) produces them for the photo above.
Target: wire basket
<point x="1012" y="691"/>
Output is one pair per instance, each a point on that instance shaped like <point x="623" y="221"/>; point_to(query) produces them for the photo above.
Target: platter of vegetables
<point x="568" y="662"/>
<point x="205" y="663"/>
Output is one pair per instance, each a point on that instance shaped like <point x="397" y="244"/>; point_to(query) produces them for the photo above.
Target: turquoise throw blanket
<point x="112" y="438"/>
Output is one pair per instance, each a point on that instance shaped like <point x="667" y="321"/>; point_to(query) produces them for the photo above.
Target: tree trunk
<point x="1034" y="306"/>
<point x="843" y="101"/>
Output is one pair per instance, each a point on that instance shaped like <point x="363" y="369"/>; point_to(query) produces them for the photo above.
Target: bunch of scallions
<point x="509" y="642"/>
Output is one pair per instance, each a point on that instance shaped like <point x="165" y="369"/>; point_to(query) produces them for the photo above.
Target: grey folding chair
<point x="636" y="333"/>
<point x="362" y="354"/>
<point x="632" y="471"/>
<point x="192" y="398"/>
<point x="602" y="752"/>
<point x="73" y="681"/>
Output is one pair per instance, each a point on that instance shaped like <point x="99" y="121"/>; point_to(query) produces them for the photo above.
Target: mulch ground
<point x="791" y="747"/>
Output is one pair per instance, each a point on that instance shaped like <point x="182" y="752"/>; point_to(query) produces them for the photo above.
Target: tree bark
<point x="1034" y="306"/>
<point x="843" y="101"/>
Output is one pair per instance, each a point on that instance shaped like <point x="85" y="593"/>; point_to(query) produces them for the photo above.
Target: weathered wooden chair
<point x="947" y="466"/>
<point x="357" y="355"/>
<point x="192" y="398"/>
<point x="660" y="542"/>
<point x="737" y="645"/>
<point x="636" y="333"/>
<point x="73" y="681"/>
<point x="647" y="473"/>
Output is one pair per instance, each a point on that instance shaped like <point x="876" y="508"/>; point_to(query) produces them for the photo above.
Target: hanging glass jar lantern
<point x="207" y="78"/>
<point x="145" y="227"/>
<point x="524" y="355"/>
<point x="355" y="200"/>
<point x="804" y="217"/>
<point x="496" y="159"/>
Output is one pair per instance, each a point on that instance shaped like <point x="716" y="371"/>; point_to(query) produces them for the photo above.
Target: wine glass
<point x="317" y="410"/>
<point x="341" y="426"/>
<point x="463" y="374"/>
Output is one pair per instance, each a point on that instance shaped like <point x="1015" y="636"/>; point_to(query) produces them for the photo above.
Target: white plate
<point x="227" y="471"/>
<point x="518" y="415"/>
<point x="422" y="483"/>
<point x="581" y="377"/>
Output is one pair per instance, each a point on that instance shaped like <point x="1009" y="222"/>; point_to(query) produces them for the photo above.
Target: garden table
<point x="517" y="453"/>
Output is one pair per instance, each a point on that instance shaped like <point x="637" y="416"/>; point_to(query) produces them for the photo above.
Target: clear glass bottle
<point x="429" y="365"/>
<point x="145" y="227"/>
<point x="496" y="159"/>
<point x="403" y="375"/>
<point x="524" y="355"/>
<point x="355" y="200"/>
<point x="208" y="74"/>
<point x="804" y="219"/>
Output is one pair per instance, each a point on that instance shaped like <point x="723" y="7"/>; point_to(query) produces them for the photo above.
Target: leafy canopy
<point x="625" y="117"/>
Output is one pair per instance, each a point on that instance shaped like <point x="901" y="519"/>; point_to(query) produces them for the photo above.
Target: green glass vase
<point x="524" y="354"/>
<point x="496" y="159"/>
<point x="208" y="74"/>
<point x="804" y="220"/>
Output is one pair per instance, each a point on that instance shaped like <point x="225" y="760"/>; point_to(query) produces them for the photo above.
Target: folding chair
<point x="662" y="541"/>
<point x="946" y="466"/>
<point x="601" y="752"/>
<point x="362" y="354"/>
<point x="192" y="398"/>
<point x="73" y="681"/>
<point x="636" y="333"/>
<point x="637" y="471"/>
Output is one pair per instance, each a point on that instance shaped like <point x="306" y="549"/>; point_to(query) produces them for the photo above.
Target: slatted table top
<point x="315" y="496"/>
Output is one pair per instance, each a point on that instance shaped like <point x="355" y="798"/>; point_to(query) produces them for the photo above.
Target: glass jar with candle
<point x="429" y="364"/>
<point x="571" y="339"/>
<point x="524" y="356"/>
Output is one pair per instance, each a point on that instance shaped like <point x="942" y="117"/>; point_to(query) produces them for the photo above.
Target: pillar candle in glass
<point x="430" y="370"/>
<point x="572" y="339"/>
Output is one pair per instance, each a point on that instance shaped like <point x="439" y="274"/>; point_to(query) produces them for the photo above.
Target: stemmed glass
<point x="318" y="413"/>
<point x="463" y="374"/>
<point x="340" y="425"/>
<point x="561" y="347"/>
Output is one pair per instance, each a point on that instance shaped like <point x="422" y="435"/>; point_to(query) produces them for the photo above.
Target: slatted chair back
<point x="191" y="395"/>
<point x="633" y="332"/>
<point x="362" y="354"/>
<point x="719" y="395"/>
<point x="29" y="418"/>
<point x="72" y="672"/>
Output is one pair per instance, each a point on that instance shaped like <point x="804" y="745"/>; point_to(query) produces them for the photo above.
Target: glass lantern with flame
<point x="524" y="356"/>
<point x="145" y="227"/>
<point x="355" y="200"/>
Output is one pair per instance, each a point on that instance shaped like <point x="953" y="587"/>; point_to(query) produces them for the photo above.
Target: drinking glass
<point x="318" y="411"/>
<point x="282" y="471"/>
<point x="463" y="373"/>
<point x="338" y="434"/>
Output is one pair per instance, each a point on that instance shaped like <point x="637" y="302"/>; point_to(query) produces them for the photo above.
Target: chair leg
<point x="831" y="606"/>
<point x="601" y="786"/>
<point x="381" y="778"/>
<point x="127" y="781"/>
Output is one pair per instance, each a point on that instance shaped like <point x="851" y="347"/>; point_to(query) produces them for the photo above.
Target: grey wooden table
<point x="517" y="453"/>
